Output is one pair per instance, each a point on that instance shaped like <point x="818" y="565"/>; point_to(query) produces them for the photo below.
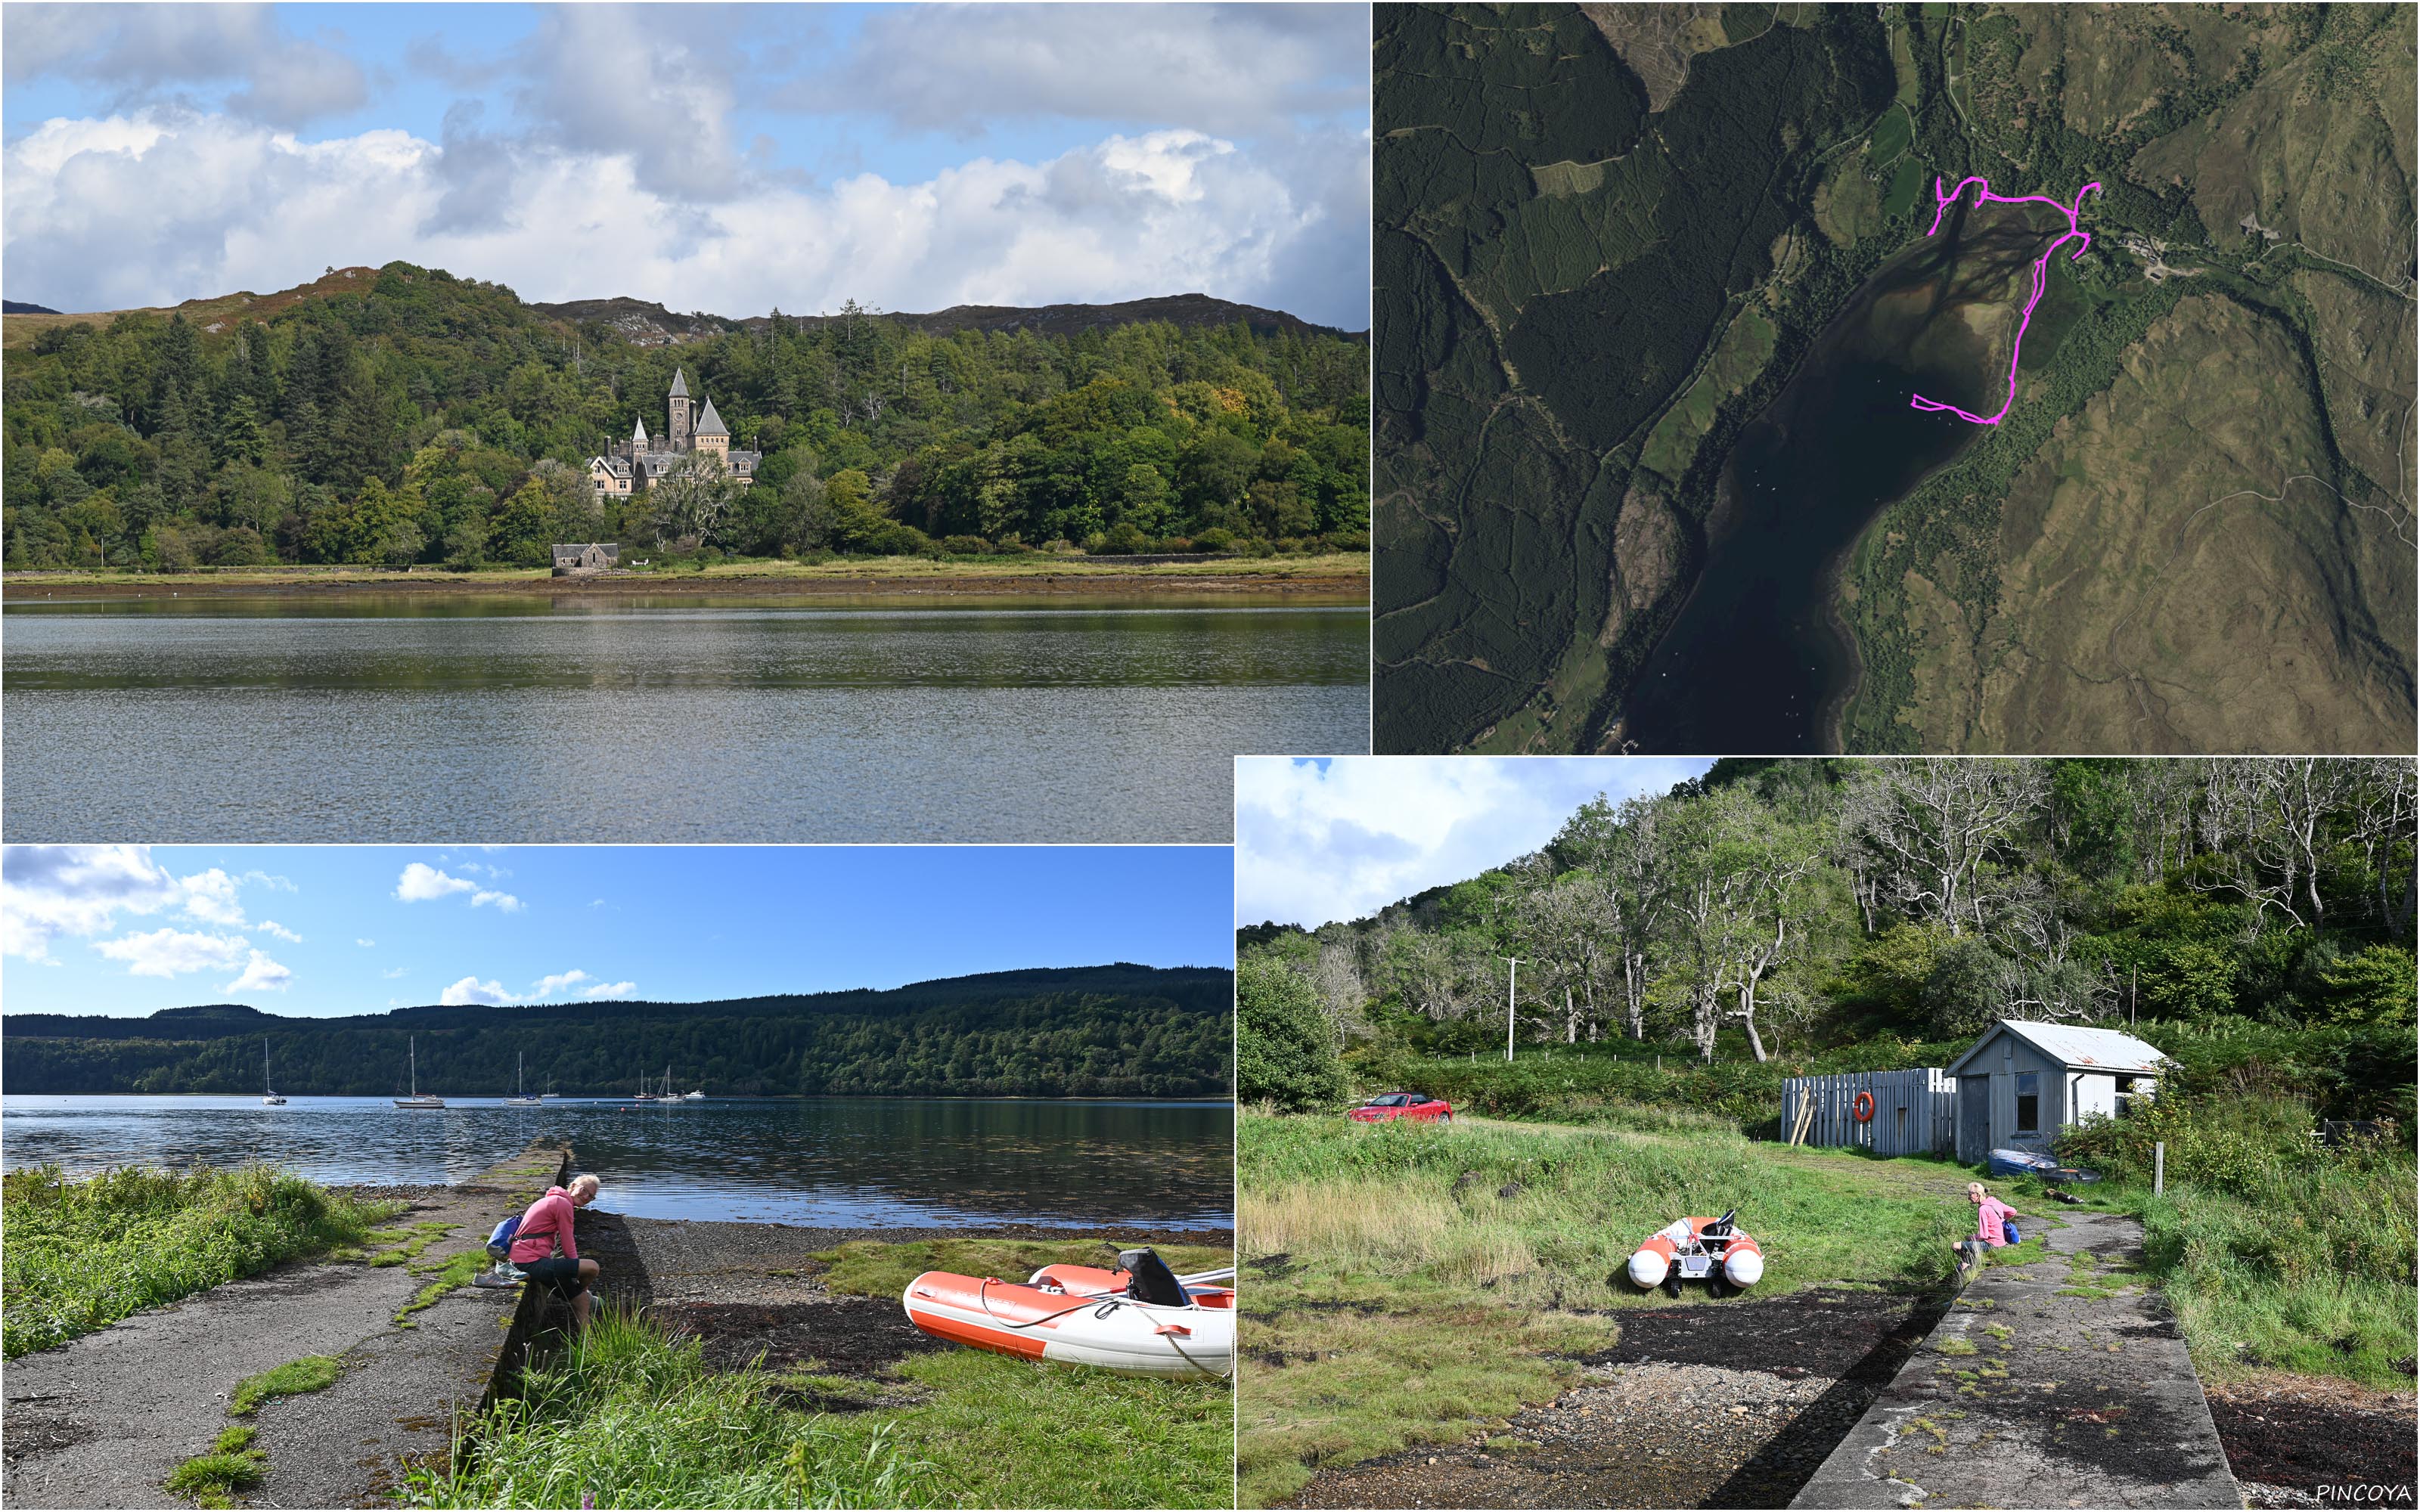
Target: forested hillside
<point x="404" y="415"/>
<point x="2252" y="917"/>
<point x="1106" y="1031"/>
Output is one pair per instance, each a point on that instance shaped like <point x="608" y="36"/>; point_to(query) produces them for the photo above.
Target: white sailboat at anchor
<point x="520" y="1098"/>
<point x="271" y="1100"/>
<point x="415" y="1100"/>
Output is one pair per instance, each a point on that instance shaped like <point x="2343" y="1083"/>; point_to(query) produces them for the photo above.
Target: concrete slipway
<point x="2059" y="1384"/>
<point x="100" y="1421"/>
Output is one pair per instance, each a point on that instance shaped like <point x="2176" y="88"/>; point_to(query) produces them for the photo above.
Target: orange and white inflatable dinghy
<point x="1143" y="1320"/>
<point x="1712" y="1250"/>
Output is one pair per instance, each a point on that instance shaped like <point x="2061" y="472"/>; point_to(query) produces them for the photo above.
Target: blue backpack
<point x="500" y="1244"/>
<point x="2009" y="1231"/>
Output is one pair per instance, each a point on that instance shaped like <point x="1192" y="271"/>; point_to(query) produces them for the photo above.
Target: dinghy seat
<point x="1150" y="1280"/>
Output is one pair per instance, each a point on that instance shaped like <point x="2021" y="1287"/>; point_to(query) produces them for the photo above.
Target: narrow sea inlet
<point x="849" y="1163"/>
<point x="386" y="719"/>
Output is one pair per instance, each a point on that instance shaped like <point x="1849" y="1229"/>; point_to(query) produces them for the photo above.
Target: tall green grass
<point x="1543" y="1217"/>
<point x="631" y="1416"/>
<point x="79" y="1254"/>
<point x="2276" y="1251"/>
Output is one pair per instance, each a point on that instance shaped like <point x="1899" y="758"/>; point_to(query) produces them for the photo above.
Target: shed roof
<point x="2073" y="1046"/>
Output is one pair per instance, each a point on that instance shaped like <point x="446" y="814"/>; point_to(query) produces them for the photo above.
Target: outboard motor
<point x="1150" y="1280"/>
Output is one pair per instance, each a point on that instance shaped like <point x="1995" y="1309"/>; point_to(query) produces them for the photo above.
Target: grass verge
<point x="295" y="1378"/>
<point x="1419" y="1284"/>
<point x="83" y="1254"/>
<point x="2275" y="1251"/>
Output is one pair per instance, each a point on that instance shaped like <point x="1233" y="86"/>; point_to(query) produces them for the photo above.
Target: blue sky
<point x="712" y="156"/>
<point x="332" y="929"/>
<point x="1320" y="839"/>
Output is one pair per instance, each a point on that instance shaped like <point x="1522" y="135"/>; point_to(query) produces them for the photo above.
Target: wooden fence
<point x="1915" y="1112"/>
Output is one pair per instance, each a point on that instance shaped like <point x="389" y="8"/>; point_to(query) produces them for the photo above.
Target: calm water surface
<point x="386" y="719"/>
<point x="836" y="1161"/>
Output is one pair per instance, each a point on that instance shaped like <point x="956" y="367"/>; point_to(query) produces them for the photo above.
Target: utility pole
<point x="1513" y="977"/>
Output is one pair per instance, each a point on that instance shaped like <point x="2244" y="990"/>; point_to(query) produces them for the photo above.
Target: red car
<point x="1403" y="1105"/>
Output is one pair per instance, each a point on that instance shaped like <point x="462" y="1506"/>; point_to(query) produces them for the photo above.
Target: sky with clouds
<point x="730" y="159"/>
<point x="321" y="931"/>
<point x="1340" y="838"/>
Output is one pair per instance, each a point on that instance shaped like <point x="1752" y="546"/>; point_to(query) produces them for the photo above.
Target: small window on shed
<point x="2028" y="1101"/>
<point x="2134" y="1088"/>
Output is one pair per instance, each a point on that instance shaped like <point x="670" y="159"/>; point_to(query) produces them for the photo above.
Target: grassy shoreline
<point x="83" y="1254"/>
<point x="1416" y="1285"/>
<point x="1345" y="574"/>
<point x="1419" y="1285"/>
<point x="633" y="1416"/>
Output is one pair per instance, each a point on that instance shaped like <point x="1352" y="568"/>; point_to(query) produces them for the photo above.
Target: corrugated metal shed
<point x="2073" y="1046"/>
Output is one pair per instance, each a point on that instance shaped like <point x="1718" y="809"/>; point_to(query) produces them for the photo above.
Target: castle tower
<point x="712" y="436"/>
<point x="638" y="439"/>
<point x="679" y="401"/>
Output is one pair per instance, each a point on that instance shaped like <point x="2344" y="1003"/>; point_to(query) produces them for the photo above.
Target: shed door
<point x="1974" y="1118"/>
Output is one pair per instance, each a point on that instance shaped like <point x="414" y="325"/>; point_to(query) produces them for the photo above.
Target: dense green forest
<point x="1105" y="1031"/>
<point x="2252" y="917"/>
<point x="409" y="416"/>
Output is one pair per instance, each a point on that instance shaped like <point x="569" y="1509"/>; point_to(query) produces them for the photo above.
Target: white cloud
<point x="1234" y="69"/>
<point x="168" y="952"/>
<point x="50" y="890"/>
<point x="156" y="207"/>
<point x="398" y="971"/>
<point x="365" y="944"/>
<point x="153" y="52"/>
<point x="471" y="990"/>
<point x="421" y="883"/>
<point x="261" y="973"/>
<point x="505" y="901"/>
<point x="272" y="927"/>
<point x="211" y="897"/>
<point x="1314" y="844"/>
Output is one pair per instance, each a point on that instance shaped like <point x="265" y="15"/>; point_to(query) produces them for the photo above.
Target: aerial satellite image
<point x="1760" y="378"/>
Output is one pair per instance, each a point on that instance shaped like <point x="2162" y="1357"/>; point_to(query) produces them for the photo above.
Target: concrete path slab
<point x="101" y="1420"/>
<point x="2062" y="1383"/>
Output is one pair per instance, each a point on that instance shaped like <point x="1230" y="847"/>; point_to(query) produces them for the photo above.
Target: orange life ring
<point x="1863" y="1108"/>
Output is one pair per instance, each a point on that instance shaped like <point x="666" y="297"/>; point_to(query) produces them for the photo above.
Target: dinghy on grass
<point x="1142" y="1321"/>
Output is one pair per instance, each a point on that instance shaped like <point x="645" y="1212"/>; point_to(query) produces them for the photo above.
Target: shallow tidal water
<point x="395" y="719"/>
<point x="822" y="1161"/>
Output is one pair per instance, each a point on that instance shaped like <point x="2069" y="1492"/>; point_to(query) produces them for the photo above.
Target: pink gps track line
<point x="2042" y="274"/>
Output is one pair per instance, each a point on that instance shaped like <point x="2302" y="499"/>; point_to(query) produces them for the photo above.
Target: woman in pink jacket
<point x="1990" y="1214"/>
<point x="546" y="1250"/>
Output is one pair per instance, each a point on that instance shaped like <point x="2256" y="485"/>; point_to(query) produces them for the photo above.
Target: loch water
<point x="822" y="1162"/>
<point x="1756" y="663"/>
<point x="402" y="718"/>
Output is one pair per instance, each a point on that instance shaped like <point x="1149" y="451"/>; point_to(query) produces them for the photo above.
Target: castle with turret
<point x="639" y="463"/>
